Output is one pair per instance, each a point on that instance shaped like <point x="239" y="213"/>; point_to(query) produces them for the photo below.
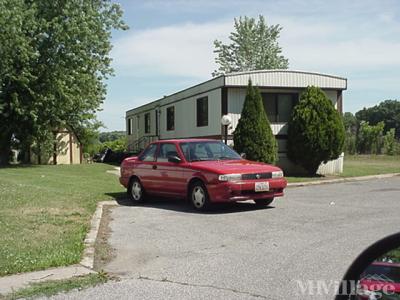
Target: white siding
<point x="279" y="128"/>
<point x="286" y="78"/>
<point x="195" y="90"/>
<point x="138" y="126"/>
<point x="185" y="117"/>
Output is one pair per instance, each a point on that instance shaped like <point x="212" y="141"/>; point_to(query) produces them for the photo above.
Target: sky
<point x="169" y="47"/>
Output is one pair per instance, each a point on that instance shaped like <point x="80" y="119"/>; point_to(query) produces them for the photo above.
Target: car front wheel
<point x="199" y="196"/>
<point x="135" y="191"/>
<point x="264" y="202"/>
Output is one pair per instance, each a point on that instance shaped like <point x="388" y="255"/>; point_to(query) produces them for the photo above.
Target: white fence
<point x="332" y="166"/>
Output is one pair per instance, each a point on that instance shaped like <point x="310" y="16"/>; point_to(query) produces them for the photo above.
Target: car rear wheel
<point x="264" y="202"/>
<point x="199" y="196"/>
<point x="136" y="192"/>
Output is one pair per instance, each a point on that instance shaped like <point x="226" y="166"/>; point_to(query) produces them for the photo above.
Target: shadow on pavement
<point x="181" y="205"/>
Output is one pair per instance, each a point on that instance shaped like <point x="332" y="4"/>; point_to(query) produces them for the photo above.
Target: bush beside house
<point x="253" y="134"/>
<point x="316" y="133"/>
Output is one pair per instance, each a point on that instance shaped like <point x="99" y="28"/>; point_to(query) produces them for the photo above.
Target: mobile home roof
<point x="261" y="78"/>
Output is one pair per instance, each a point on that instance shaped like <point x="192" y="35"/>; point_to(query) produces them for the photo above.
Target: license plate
<point x="261" y="187"/>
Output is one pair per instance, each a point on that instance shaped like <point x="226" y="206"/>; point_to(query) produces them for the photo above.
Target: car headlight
<point x="277" y="174"/>
<point x="372" y="295"/>
<point x="230" y="177"/>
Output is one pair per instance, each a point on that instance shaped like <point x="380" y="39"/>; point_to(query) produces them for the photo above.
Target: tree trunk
<point x="55" y="147"/>
<point x="39" y="155"/>
<point x="5" y="148"/>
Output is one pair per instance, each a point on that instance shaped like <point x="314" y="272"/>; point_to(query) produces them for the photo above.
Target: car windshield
<point x="207" y="150"/>
<point x="380" y="272"/>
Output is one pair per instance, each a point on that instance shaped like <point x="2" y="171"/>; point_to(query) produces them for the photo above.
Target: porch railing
<point x="141" y="143"/>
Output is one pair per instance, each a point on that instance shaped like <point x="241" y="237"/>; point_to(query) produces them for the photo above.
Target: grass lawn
<point x="45" y="213"/>
<point x="45" y="210"/>
<point x="52" y="287"/>
<point x="361" y="165"/>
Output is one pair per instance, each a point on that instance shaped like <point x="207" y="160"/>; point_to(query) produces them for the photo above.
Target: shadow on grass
<point x="19" y="166"/>
<point x="183" y="206"/>
<point x="114" y="164"/>
<point x="304" y="175"/>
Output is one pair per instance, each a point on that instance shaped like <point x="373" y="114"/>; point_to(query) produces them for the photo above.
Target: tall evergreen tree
<point x="316" y="132"/>
<point x="253" y="134"/>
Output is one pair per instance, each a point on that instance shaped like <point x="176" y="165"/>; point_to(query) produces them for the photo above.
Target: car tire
<point x="136" y="191"/>
<point x="198" y="196"/>
<point x="263" y="202"/>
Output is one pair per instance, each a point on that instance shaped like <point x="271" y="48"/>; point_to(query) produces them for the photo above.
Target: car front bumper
<point x="244" y="190"/>
<point x="124" y="181"/>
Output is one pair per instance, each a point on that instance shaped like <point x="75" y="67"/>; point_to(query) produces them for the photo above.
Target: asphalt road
<point x="165" y="250"/>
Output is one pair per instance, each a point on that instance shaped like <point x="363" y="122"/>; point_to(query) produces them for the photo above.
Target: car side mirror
<point x="174" y="159"/>
<point x="375" y="274"/>
<point x="243" y="155"/>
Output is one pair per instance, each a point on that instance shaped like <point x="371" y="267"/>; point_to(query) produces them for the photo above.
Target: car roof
<point x="186" y="140"/>
<point x="386" y="264"/>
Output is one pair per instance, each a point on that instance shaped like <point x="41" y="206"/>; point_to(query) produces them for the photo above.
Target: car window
<point x="201" y="152"/>
<point x="195" y="151"/>
<point x="390" y="272"/>
<point x="165" y="151"/>
<point x="148" y="154"/>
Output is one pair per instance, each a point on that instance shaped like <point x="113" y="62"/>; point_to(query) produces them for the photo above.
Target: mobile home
<point x="197" y="111"/>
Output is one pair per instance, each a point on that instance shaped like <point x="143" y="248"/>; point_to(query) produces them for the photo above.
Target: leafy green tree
<point x="253" y="134"/>
<point x="17" y="112"/>
<point x="116" y="145"/>
<point x="254" y="46"/>
<point x="387" y="111"/>
<point x="350" y="123"/>
<point x="392" y="255"/>
<point x="389" y="142"/>
<point x="370" y="138"/>
<point x="55" y="59"/>
<point x="350" y="143"/>
<point x="316" y="132"/>
<point x="111" y="136"/>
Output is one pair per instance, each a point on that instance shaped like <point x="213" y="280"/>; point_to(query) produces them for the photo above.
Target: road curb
<point x="339" y="180"/>
<point x="11" y="283"/>
<point x="90" y="240"/>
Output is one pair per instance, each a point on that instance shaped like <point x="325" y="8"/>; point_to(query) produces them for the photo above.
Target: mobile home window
<point x="270" y="106"/>
<point x="278" y="107"/>
<point x="202" y="112"/>
<point x="171" y="118"/>
<point x="129" y="130"/>
<point x="147" y="123"/>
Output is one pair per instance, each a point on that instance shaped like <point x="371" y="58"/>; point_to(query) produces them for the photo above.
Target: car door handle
<point x="154" y="167"/>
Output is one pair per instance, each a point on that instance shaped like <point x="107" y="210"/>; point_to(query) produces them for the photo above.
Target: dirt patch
<point x="104" y="253"/>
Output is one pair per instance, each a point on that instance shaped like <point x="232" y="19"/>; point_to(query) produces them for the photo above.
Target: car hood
<point x="380" y="285"/>
<point x="234" y="166"/>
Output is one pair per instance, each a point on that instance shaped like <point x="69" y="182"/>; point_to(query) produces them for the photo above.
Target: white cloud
<point x="180" y="50"/>
<point x="337" y="46"/>
<point x="357" y="39"/>
<point x="187" y="49"/>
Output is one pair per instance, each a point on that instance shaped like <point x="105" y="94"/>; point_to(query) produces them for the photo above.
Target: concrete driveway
<point x="166" y="250"/>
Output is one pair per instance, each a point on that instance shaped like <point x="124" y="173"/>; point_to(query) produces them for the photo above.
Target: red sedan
<point x="203" y="171"/>
<point x="381" y="280"/>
